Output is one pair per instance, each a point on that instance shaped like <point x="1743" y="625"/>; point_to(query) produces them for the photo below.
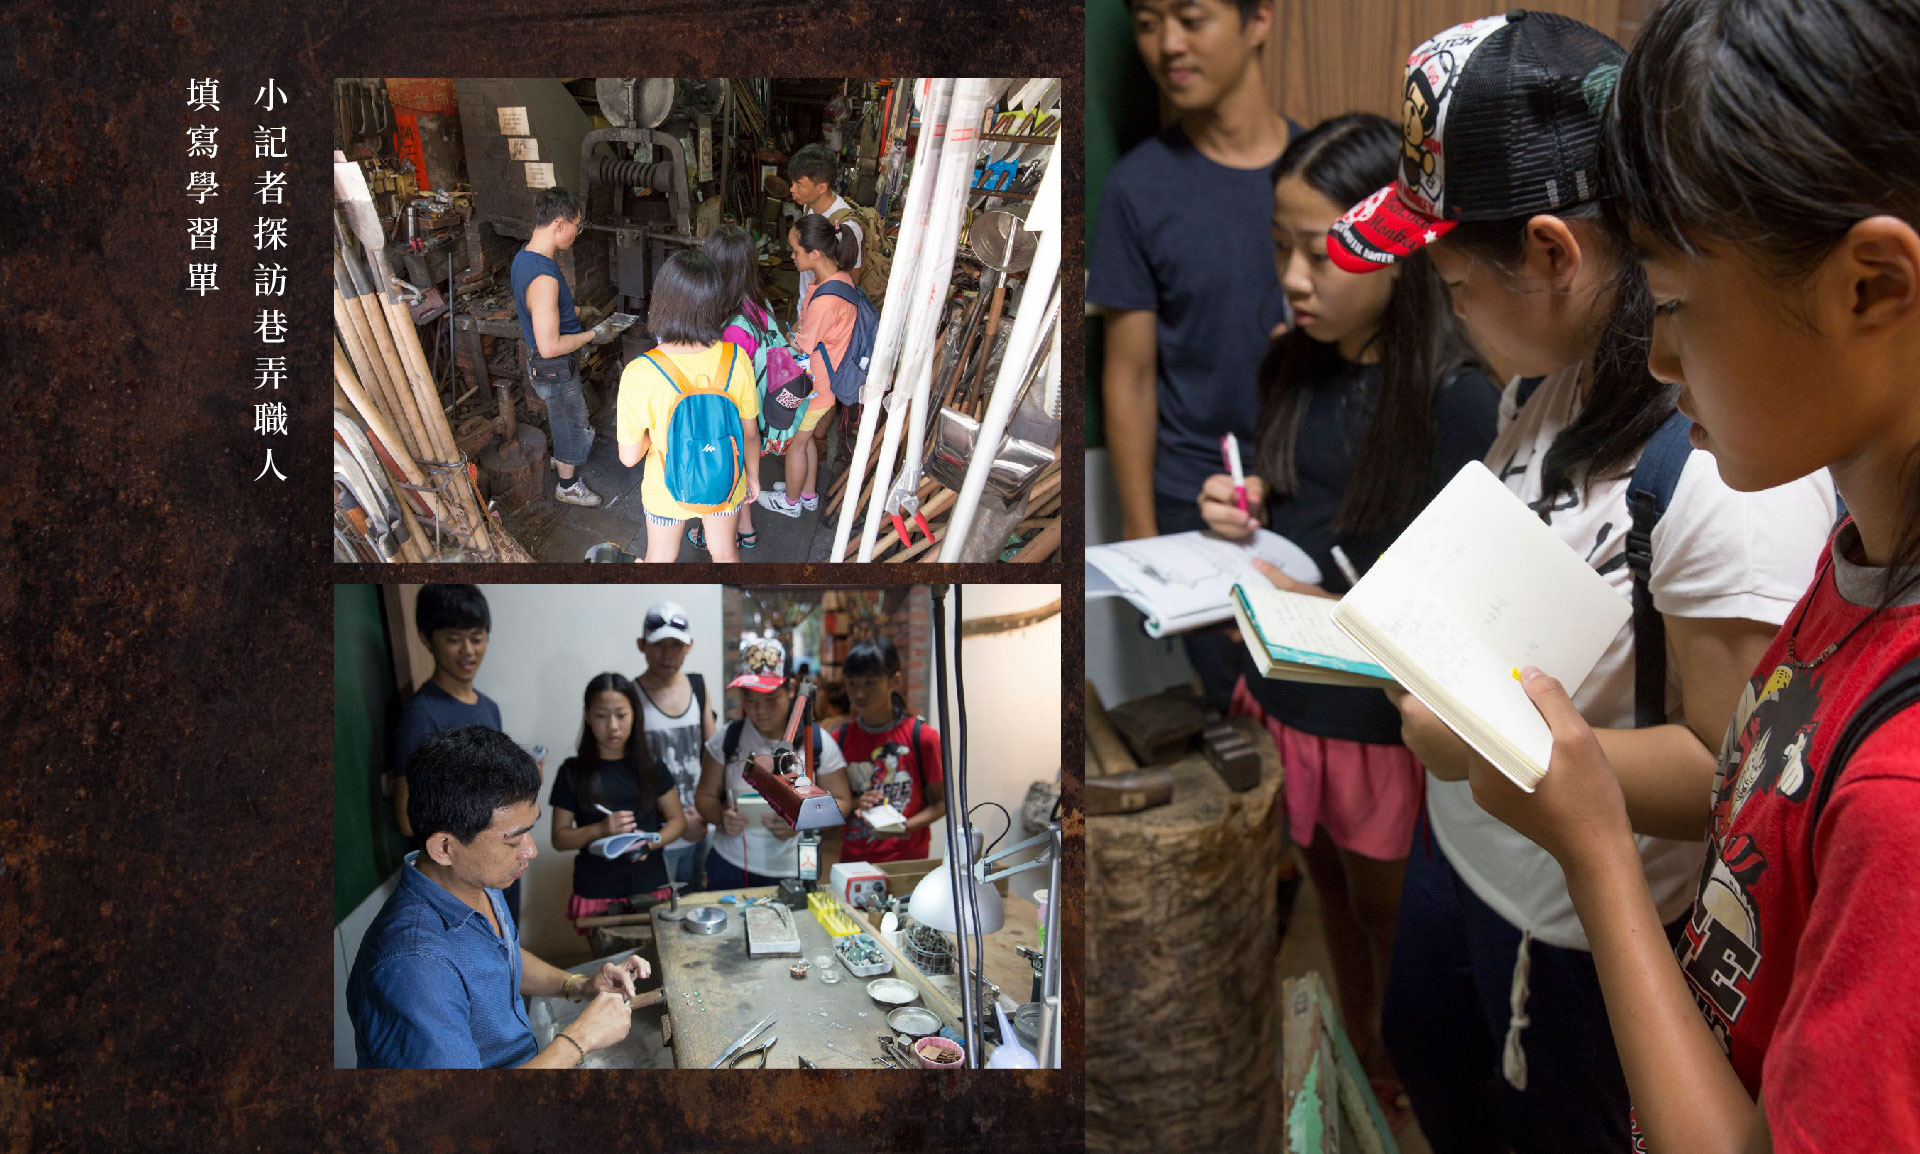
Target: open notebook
<point x="1477" y="587"/>
<point x="1292" y="637"/>
<point x="1183" y="581"/>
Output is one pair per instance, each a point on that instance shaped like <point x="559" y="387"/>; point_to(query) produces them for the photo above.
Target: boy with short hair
<point x="893" y="757"/>
<point x="811" y="173"/>
<point x="455" y="623"/>
<point x="744" y="853"/>
<point x="1183" y="266"/>
<point x="676" y="722"/>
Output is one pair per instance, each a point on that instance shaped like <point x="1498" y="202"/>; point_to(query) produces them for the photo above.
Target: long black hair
<point x="1345" y="159"/>
<point x="840" y="243"/>
<point x="583" y="769"/>
<point x="1624" y="403"/>
<point x="1773" y="127"/>
<point x="734" y="254"/>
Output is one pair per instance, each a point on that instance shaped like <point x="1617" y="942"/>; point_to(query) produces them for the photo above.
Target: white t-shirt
<point x="852" y="222"/>
<point x="1716" y="553"/>
<point x="674" y="744"/>
<point x="758" y="850"/>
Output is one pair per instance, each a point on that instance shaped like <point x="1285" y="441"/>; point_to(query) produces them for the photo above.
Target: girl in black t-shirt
<point x="1368" y="407"/>
<point x="611" y="776"/>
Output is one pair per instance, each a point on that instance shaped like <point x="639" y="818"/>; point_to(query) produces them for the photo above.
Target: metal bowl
<point x="704" y="920"/>
<point x="914" y="1021"/>
<point x="891" y="991"/>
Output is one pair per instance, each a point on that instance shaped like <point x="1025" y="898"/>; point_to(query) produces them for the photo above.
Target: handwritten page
<point x="1184" y="581"/>
<point x="1477" y="587"/>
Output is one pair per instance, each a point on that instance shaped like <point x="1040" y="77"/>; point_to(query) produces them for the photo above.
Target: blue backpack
<point x="703" y="452"/>
<point x="850" y="374"/>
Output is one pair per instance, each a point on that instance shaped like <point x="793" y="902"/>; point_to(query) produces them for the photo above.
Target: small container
<point x="825" y="969"/>
<point x="939" y="1054"/>
<point x="891" y="991"/>
<point x="1040" y="922"/>
<point x="798" y="970"/>
<point x="862" y="946"/>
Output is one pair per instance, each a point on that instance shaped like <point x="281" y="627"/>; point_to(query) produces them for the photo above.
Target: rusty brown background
<point x="165" y="693"/>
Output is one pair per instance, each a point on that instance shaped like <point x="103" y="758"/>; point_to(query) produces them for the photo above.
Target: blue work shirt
<point x="433" y="987"/>
<point x="1191" y="241"/>
<point x="529" y="266"/>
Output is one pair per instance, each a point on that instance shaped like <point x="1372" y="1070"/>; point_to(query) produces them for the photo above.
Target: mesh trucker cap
<point x="1501" y="120"/>
<point x="763" y="665"/>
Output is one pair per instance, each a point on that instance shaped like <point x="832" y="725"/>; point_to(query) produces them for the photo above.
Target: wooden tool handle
<point x="1105" y="744"/>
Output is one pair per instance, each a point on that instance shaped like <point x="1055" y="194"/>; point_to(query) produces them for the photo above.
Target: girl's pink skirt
<point x="1366" y="796"/>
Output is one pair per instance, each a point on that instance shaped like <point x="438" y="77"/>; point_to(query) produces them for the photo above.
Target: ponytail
<point x="840" y="242"/>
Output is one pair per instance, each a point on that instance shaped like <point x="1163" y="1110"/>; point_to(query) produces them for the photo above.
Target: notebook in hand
<point x="1477" y="587"/>
<point x="1184" y="581"/>
<point x="1292" y="637"/>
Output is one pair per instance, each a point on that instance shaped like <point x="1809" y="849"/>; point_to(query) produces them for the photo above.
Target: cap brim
<point x="669" y="633"/>
<point x="759" y="683"/>
<point x="1381" y="230"/>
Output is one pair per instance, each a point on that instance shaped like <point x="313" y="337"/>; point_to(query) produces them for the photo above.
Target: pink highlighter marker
<point x="1230" y="449"/>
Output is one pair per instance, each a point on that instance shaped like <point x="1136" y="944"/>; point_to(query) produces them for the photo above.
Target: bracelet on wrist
<point x="566" y="987"/>
<point x="577" y="1046"/>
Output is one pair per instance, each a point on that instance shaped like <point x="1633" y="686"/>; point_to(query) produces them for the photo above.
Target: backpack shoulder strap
<point x="819" y="748"/>
<point x="730" y="740"/>
<point x="835" y="288"/>
<point x="699" y="684"/>
<point x="1900" y="690"/>
<point x="669" y="370"/>
<point x="1649" y="493"/>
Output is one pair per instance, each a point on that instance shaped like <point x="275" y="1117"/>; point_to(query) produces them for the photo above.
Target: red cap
<point x="1380" y="230"/>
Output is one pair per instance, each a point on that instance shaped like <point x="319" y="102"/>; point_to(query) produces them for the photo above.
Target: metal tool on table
<point x="903" y="501"/>
<point x="762" y="1050"/>
<point x="1030" y="439"/>
<point x="894" y="1054"/>
<point x="803" y="1064"/>
<point x="741" y="1042"/>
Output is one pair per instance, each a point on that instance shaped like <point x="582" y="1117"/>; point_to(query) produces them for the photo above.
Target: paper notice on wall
<point x="523" y="147"/>
<point x="513" y="122"/>
<point x="540" y="175"/>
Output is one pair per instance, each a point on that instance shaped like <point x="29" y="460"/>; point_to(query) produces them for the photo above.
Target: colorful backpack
<point x="775" y="369"/>
<point x="850" y="375"/>
<point x="703" y="453"/>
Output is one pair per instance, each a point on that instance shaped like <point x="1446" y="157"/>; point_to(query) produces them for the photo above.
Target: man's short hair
<point x="1247" y="8"/>
<point x="450" y="607"/>
<point x="553" y="204"/>
<point x="689" y="304"/>
<point x="815" y="163"/>
<point x="458" y="778"/>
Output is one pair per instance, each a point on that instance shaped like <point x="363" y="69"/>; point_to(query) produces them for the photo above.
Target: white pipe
<point x="1021" y="345"/>
<point x="931" y="282"/>
<point x="936" y="99"/>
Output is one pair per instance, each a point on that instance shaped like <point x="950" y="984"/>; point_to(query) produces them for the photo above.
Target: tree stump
<point x="1181" y="944"/>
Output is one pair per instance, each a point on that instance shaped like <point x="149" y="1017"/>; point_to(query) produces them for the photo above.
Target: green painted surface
<point x="1123" y="108"/>
<point x="1306" y="1121"/>
<point x="367" y="845"/>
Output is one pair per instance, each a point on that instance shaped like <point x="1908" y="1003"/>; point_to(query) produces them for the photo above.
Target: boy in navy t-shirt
<point x="1183" y="265"/>
<point x="454" y="622"/>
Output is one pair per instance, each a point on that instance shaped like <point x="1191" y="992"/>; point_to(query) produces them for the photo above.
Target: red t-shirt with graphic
<point x="903" y="763"/>
<point x="1800" y="946"/>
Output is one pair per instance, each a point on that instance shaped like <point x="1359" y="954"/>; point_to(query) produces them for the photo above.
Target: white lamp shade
<point x="932" y="902"/>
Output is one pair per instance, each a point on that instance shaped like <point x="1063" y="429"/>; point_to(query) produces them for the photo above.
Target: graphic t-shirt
<point x="1716" y="553"/>
<point x="600" y="877"/>
<point x="1800" y="944"/>
<point x="673" y="742"/>
<point x="902" y="761"/>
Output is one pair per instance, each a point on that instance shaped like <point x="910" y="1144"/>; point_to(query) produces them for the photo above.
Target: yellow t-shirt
<point x="646" y="400"/>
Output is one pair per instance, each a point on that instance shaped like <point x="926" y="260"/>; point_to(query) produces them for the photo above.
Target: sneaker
<point x="576" y="493"/>
<point x="809" y="500"/>
<point x="774" y="502"/>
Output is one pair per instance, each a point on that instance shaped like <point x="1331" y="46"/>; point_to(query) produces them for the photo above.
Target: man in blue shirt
<point x="552" y="331"/>
<point x="439" y="977"/>
<point x="1183" y="266"/>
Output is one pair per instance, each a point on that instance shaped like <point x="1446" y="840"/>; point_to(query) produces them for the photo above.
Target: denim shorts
<point x="558" y="384"/>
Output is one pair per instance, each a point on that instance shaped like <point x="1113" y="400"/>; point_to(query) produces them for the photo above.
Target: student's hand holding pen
<point x="732" y="823"/>
<point x="1220" y="506"/>
<point x="1577" y="812"/>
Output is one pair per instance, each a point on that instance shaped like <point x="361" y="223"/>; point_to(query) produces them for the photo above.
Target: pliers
<point x="761" y="1050"/>
<point x="903" y="503"/>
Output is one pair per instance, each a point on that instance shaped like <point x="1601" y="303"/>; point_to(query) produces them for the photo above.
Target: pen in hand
<point x="1230" y="449"/>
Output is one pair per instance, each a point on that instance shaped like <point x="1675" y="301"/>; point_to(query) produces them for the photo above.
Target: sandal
<point x="748" y="540"/>
<point x="695" y="536"/>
